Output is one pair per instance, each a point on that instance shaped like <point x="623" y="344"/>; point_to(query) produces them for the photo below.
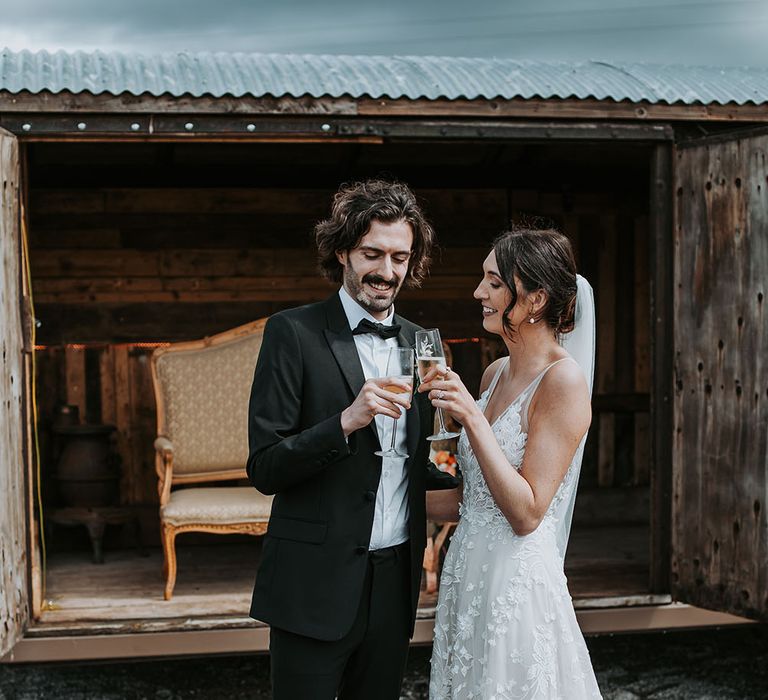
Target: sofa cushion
<point x="216" y="506"/>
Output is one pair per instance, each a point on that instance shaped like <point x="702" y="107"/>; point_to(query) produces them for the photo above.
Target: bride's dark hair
<point x="540" y="259"/>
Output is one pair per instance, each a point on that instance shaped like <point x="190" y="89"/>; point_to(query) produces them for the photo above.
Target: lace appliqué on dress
<point x="505" y="628"/>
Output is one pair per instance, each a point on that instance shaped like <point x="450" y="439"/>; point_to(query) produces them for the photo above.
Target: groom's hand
<point x="377" y="397"/>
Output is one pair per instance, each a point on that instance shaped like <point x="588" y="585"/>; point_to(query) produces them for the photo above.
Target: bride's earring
<point x="531" y="320"/>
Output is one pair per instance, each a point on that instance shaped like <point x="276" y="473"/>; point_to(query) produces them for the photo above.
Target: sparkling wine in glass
<point x="400" y="366"/>
<point x="429" y="354"/>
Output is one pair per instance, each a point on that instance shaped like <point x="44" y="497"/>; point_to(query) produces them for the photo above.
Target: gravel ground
<point x="727" y="664"/>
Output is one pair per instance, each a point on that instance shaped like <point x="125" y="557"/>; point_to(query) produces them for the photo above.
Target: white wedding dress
<point x="505" y="627"/>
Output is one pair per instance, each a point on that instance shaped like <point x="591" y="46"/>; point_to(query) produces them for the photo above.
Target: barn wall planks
<point x="115" y="267"/>
<point x="720" y="531"/>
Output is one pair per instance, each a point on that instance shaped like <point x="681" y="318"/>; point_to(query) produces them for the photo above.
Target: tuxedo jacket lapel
<point x="342" y="345"/>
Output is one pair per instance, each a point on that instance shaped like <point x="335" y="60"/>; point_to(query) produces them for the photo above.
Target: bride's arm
<point x="559" y="416"/>
<point x="443" y="506"/>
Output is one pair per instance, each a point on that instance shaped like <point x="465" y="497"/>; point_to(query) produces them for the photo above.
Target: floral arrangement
<point x="446" y="461"/>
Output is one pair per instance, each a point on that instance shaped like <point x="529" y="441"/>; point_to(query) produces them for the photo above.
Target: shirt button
<point x="361" y="550"/>
<point x="369" y="495"/>
<point x="386" y="472"/>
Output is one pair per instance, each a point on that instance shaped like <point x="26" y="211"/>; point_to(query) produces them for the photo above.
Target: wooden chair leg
<point x="169" y="564"/>
<point x="430" y="565"/>
<point x="432" y="556"/>
<point x="445" y="530"/>
<point x="431" y="582"/>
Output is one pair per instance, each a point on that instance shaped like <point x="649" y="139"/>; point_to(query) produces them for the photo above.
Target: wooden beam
<point x="554" y="108"/>
<point x="126" y="103"/>
<point x="662" y="351"/>
<point x="34" y="125"/>
<point x="537" y="108"/>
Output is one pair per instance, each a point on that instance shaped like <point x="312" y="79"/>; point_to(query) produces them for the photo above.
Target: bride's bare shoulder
<point x="564" y="390"/>
<point x="490" y="373"/>
<point x="565" y="378"/>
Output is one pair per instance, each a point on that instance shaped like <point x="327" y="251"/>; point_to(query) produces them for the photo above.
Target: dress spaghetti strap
<point x="495" y="380"/>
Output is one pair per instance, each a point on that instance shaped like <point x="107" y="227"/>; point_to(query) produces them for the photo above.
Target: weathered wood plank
<point x="255" y="262"/>
<point x="84" y="237"/>
<point x="161" y="322"/>
<point x="46" y="101"/>
<point x="183" y="201"/>
<point x="317" y="129"/>
<point x="74" y="371"/>
<point x="642" y="346"/>
<point x="560" y="109"/>
<point x="129" y="484"/>
<point x="720" y="457"/>
<point x="107" y="385"/>
<point x="533" y="108"/>
<point x="661" y="254"/>
<point x="606" y="344"/>
<point x="625" y="344"/>
<point x="14" y="562"/>
<point x="143" y="425"/>
<point x="201" y="290"/>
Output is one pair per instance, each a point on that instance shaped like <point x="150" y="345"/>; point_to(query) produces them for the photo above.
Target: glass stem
<point x="441" y="421"/>
<point x="394" y="433"/>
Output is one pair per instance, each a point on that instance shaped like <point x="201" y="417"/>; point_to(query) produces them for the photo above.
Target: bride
<point x="505" y="626"/>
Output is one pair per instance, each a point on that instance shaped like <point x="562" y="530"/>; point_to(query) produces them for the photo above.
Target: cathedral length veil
<point x="580" y="344"/>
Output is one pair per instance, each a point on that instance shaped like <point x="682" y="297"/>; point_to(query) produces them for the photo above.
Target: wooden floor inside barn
<point x="606" y="566"/>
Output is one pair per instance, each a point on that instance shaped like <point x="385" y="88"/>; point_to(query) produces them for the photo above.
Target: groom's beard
<point x="370" y="299"/>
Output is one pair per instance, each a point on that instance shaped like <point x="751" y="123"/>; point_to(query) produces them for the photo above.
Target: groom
<point x="341" y="564"/>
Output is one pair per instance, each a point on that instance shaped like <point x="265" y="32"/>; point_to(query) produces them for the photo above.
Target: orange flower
<point x="442" y="457"/>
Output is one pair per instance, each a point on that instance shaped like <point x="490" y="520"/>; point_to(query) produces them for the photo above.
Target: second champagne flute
<point x="429" y="354"/>
<point x="399" y="366"/>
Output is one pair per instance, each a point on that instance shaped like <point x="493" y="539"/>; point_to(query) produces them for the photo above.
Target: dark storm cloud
<point x="725" y="32"/>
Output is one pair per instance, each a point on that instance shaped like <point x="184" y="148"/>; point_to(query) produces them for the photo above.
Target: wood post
<point x="662" y="349"/>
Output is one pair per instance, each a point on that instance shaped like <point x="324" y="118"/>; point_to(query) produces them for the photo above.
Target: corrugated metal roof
<point x="414" y="77"/>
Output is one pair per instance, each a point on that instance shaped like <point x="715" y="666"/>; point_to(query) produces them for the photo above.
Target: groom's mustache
<point x="375" y="279"/>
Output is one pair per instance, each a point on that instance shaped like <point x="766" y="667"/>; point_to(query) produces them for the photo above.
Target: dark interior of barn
<point x="133" y="245"/>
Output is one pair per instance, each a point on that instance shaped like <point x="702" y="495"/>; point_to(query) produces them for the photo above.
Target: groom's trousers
<point x="366" y="664"/>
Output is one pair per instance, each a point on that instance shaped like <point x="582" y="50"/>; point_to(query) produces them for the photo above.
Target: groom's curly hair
<point x="355" y="207"/>
<point x="540" y="259"/>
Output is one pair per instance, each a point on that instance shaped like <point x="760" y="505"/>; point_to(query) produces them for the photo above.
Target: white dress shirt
<point x="390" y="517"/>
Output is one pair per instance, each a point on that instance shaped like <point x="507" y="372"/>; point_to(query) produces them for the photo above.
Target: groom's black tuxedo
<point x="315" y="553"/>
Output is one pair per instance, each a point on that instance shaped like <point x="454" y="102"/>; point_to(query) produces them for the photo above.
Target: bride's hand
<point x="447" y="391"/>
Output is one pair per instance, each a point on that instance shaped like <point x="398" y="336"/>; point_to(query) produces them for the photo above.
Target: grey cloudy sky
<point x="709" y="32"/>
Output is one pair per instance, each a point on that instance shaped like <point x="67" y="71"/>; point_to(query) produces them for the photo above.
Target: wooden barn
<point x="152" y="200"/>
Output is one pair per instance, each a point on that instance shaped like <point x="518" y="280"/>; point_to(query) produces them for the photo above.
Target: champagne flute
<point x="429" y="354"/>
<point x="399" y="365"/>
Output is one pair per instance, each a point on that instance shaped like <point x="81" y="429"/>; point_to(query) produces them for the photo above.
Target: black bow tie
<point x="384" y="332"/>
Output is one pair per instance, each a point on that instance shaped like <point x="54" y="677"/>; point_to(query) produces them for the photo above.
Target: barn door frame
<point x="17" y="540"/>
<point x="661" y="324"/>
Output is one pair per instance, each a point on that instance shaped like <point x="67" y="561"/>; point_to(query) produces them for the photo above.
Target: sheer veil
<point x="580" y="344"/>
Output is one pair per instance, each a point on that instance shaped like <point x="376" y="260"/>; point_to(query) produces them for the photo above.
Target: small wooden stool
<point x="96" y="520"/>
